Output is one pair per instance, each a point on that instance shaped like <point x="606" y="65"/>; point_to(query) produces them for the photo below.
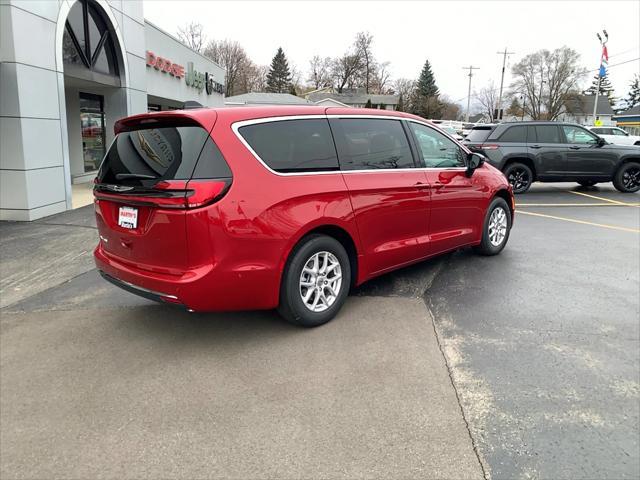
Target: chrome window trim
<point x="235" y="127"/>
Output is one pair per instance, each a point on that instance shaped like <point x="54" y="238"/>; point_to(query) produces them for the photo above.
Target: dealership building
<point x="68" y="70"/>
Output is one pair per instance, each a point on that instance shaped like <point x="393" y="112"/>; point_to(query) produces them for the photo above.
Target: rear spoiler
<point x="204" y="118"/>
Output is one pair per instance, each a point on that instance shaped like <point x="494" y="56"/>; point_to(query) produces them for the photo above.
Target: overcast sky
<point x="450" y="34"/>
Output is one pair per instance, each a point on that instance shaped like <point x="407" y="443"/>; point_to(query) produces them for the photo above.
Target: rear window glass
<point x="374" y="144"/>
<point x="479" y="134"/>
<point x="293" y="145"/>
<point x="164" y="153"/>
<point x="515" y="134"/>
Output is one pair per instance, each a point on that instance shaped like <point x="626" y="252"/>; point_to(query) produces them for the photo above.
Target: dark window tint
<point x="293" y="145"/>
<point x="547" y="134"/>
<point x="211" y="163"/>
<point x="532" y="136"/>
<point x="374" y="144"/>
<point x="515" y="134"/>
<point x="478" y="135"/>
<point x="164" y="153"/>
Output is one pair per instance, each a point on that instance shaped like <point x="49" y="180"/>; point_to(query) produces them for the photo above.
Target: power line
<point x="471" y="69"/>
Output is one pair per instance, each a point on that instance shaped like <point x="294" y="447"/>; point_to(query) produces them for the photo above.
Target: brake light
<point x="489" y="146"/>
<point x="203" y="192"/>
<point x="175" y="194"/>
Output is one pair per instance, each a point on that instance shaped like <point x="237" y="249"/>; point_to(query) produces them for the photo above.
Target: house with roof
<point x="629" y="120"/>
<point x="264" y="98"/>
<point x="579" y="109"/>
<point x="356" y="97"/>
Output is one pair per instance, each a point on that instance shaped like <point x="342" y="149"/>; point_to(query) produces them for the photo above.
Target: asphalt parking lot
<point x="524" y="365"/>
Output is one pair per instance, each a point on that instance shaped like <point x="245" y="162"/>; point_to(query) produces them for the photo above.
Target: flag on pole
<point x="604" y="62"/>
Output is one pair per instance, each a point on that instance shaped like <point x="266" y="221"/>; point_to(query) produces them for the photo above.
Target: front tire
<point x="627" y="178"/>
<point x="315" y="282"/>
<point x="519" y="176"/>
<point x="496" y="228"/>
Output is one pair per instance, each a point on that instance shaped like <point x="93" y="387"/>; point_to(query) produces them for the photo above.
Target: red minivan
<point x="286" y="207"/>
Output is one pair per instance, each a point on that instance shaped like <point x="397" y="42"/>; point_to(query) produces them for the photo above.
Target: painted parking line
<point x="573" y="220"/>
<point x="616" y="202"/>
<point x="590" y="204"/>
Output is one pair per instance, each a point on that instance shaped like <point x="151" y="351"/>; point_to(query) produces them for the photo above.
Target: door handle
<point x="421" y="185"/>
<point x="535" y="146"/>
<point x="574" y="148"/>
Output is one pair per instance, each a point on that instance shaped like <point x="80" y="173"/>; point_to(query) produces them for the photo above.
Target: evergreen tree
<point x="606" y="88"/>
<point x="400" y="106"/>
<point x="426" y="85"/>
<point x="292" y="90"/>
<point x="368" y="104"/>
<point x="279" y="76"/>
<point x="425" y="102"/>
<point x="382" y="106"/>
<point x="633" y="97"/>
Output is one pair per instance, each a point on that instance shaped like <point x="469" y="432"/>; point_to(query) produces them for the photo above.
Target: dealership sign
<point x="192" y="77"/>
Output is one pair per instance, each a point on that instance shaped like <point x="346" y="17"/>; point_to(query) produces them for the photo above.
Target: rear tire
<point x="627" y="178"/>
<point x="586" y="183"/>
<point x="496" y="228"/>
<point x="519" y="176"/>
<point x="315" y="282"/>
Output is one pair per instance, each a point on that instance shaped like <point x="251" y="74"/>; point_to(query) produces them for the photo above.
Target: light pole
<point x="603" y="43"/>
<point x="504" y="61"/>
<point x="471" y="69"/>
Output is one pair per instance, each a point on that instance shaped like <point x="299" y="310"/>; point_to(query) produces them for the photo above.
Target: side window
<point x="437" y="150"/>
<point x="547" y="134"/>
<point x="621" y="133"/>
<point x="211" y="163"/>
<point x="515" y="134"/>
<point x="293" y="145"/>
<point x="578" y="135"/>
<point x="374" y="144"/>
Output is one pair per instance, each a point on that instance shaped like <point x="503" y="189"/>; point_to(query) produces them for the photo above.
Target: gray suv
<point x="555" y="152"/>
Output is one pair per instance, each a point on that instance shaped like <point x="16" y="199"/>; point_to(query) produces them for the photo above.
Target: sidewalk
<point x="35" y="256"/>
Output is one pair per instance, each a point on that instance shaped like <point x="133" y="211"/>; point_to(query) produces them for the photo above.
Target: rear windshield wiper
<point x="126" y="176"/>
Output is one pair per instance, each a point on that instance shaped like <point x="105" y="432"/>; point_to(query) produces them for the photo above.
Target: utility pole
<point x="471" y="69"/>
<point x="504" y="63"/>
<point x="603" y="43"/>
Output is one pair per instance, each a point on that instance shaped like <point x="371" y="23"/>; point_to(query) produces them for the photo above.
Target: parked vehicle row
<point x="286" y="207"/>
<point x="555" y="152"/>
<point x="616" y="135"/>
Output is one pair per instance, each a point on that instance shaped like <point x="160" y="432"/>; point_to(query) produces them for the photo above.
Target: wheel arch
<point x="525" y="160"/>
<point x="506" y="196"/>
<point x="338" y="232"/>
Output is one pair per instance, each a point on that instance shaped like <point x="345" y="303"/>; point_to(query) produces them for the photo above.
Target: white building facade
<point x="68" y="70"/>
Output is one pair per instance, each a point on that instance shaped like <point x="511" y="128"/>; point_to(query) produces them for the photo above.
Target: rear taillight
<point x="174" y="194"/>
<point x="204" y="192"/>
<point x="486" y="146"/>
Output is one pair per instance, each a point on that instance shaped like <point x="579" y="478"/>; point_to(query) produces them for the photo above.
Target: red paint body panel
<point x="231" y="254"/>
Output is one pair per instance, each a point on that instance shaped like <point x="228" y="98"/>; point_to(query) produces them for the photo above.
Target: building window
<point x="93" y="130"/>
<point x="87" y="40"/>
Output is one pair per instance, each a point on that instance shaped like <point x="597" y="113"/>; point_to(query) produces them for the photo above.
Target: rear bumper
<point x="142" y="292"/>
<point x="205" y="288"/>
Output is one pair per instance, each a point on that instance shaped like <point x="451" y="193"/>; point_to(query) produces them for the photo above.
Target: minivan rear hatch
<point x="156" y="170"/>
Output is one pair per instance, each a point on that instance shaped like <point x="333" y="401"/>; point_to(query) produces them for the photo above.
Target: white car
<point x="616" y="135"/>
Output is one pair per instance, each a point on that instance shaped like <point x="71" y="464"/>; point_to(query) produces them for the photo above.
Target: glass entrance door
<point x="93" y="133"/>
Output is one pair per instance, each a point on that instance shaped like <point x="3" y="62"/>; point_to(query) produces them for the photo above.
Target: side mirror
<point x="474" y="160"/>
<point x="601" y="141"/>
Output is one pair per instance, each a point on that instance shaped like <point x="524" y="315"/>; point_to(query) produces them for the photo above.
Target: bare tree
<point x="230" y="55"/>
<point x="252" y="78"/>
<point x="192" y="35"/>
<point x="382" y="78"/>
<point x="487" y="97"/>
<point x="345" y="69"/>
<point x="404" y="88"/>
<point x="364" y="50"/>
<point x="320" y="72"/>
<point x="546" y="79"/>
<point x="450" y="109"/>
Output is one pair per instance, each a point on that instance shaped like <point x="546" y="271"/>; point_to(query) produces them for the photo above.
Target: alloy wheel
<point x="631" y="178"/>
<point x="519" y="179"/>
<point x="497" y="226"/>
<point x="320" y="281"/>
